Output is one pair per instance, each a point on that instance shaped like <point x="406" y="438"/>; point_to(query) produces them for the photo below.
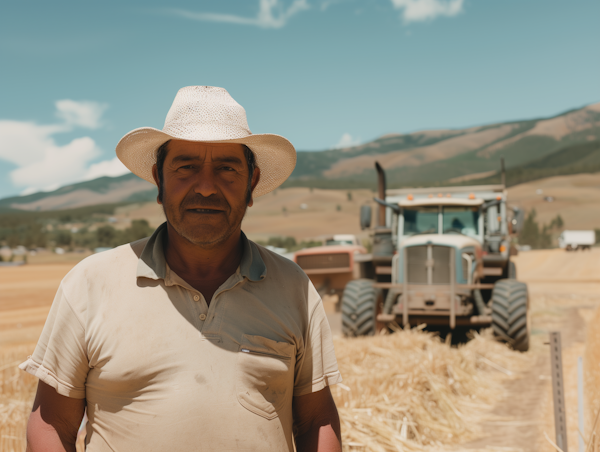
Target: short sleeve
<point x="318" y="366"/>
<point x="60" y="358"/>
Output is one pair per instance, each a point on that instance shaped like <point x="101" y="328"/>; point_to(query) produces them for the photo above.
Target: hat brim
<point x="275" y="155"/>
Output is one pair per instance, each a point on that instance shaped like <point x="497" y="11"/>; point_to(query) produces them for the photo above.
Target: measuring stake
<point x="580" y="403"/>
<point x="560" y="418"/>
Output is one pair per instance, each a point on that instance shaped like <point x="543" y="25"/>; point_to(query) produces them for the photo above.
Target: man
<point x="196" y="338"/>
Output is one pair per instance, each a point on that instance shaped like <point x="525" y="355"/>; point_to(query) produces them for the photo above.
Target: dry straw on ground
<point x="409" y="391"/>
<point x="406" y="391"/>
<point x="17" y="390"/>
<point x="591" y="362"/>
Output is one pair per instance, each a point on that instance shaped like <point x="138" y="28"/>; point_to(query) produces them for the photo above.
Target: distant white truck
<point x="577" y="240"/>
<point x="341" y="239"/>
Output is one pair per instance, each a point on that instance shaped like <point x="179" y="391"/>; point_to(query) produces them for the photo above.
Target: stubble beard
<point x="205" y="236"/>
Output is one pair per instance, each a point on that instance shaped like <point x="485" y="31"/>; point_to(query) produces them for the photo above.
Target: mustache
<point x="202" y="202"/>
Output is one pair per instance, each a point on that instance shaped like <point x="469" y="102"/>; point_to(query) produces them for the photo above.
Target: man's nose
<point x="206" y="182"/>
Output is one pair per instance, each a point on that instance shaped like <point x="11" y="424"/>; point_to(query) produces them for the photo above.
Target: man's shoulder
<point x="108" y="262"/>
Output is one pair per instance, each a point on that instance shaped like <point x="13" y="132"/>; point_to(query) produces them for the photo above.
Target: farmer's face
<point x="205" y="190"/>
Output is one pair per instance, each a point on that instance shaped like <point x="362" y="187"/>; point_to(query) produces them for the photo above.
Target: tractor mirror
<point x="365" y="217"/>
<point x="517" y="220"/>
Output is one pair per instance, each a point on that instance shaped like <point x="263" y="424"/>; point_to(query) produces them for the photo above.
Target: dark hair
<point x="161" y="155"/>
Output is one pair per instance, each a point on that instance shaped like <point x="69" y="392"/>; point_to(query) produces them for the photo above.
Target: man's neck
<point x="203" y="269"/>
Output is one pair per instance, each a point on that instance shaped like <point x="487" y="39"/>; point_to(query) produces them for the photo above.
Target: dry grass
<point x="405" y="391"/>
<point x="591" y="362"/>
<point x="409" y="391"/>
<point x="17" y="390"/>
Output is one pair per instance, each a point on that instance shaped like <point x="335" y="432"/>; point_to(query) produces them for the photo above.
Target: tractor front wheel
<point x="361" y="303"/>
<point x="510" y="316"/>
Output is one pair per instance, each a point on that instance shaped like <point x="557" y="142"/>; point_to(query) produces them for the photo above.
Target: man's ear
<point x="157" y="181"/>
<point x="255" y="179"/>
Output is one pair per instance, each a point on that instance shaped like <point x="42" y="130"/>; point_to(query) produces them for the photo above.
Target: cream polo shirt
<point x="162" y="371"/>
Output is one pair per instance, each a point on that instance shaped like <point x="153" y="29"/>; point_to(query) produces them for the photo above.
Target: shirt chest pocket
<point x="265" y="375"/>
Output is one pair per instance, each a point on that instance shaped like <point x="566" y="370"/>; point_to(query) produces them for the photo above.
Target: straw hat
<point x="207" y="113"/>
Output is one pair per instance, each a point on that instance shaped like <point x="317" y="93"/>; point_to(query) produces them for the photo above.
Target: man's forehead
<point x="200" y="150"/>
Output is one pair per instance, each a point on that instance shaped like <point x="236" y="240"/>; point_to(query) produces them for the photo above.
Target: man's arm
<point x="316" y="422"/>
<point x="54" y="421"/>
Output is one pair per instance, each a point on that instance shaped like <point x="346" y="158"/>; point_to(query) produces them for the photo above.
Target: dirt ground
<point x="564" y="294"/>
<point x="26" y="293"/>
<point x="564" y="290"/>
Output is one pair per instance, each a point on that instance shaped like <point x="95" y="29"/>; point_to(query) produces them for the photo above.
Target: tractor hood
<point x="457" y="241"/>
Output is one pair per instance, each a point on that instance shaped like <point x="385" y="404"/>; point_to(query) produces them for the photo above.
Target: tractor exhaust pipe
<point x="380" y="193"/>
<point x="502" y="172"/>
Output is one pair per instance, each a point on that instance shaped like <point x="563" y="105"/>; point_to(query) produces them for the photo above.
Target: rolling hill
<point x="575" y="159"/>
<point x="431" y="157"/>
<point x="104" y="190"/>
<point x="568" y="143"/>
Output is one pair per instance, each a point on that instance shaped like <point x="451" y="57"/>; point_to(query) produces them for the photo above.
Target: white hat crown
<point x="203" y="113"/>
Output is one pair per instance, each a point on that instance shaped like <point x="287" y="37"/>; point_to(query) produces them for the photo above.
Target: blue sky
<point x="76" y="76"/>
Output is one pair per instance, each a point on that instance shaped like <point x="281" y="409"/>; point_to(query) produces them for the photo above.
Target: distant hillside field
<point x="305" y="213"/>
<point x="575" y="197"/>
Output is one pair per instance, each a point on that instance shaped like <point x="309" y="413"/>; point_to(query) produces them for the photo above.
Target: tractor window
<point x="461" y="220"/>
<point x="421" y="221"/>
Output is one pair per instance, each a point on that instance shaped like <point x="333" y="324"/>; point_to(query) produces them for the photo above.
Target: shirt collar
<point x="252" y="265"/>
<point x="152" y="263"/>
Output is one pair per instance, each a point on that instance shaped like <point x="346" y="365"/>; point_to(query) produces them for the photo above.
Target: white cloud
<point x="42" y="163"/>
<point x="57" y="164"/>
<point x="346" y="141"/>
<point x="423" y="10"/>
<point x="111" y="168"/>
<point x="325" y="4"/>
<point x="271" y="14"/>
<point x="83" y="114"/>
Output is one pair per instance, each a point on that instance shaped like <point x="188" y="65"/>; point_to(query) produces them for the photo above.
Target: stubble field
<point x="408" y="391"/>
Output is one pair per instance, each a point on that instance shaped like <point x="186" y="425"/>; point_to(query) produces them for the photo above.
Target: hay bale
<point x="409" y="391"/>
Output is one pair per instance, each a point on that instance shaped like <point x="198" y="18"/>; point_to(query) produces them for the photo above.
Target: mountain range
<point x="568" y="143"/>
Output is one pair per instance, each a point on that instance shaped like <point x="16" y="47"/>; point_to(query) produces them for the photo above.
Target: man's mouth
<point x="206" y="211"/>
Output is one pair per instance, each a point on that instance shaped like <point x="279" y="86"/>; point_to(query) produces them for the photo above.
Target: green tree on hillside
<point x="107" y="236"/>
<point x="63" y="237"/>
<point x="539" y="237"/>
<point x="530" y="231"/>
<point x="138" y="230"/>
<point x="557" y="223"/>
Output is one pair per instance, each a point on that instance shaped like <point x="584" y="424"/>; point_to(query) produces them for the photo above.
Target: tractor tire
<point x="361" y="303"/>
<point x="510" y="316"/>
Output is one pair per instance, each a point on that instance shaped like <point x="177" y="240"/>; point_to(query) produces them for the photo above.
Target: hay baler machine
<point x="441" y="256"/>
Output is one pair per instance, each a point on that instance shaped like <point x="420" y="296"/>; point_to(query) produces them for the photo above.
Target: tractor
<point x="441" y="256"/>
